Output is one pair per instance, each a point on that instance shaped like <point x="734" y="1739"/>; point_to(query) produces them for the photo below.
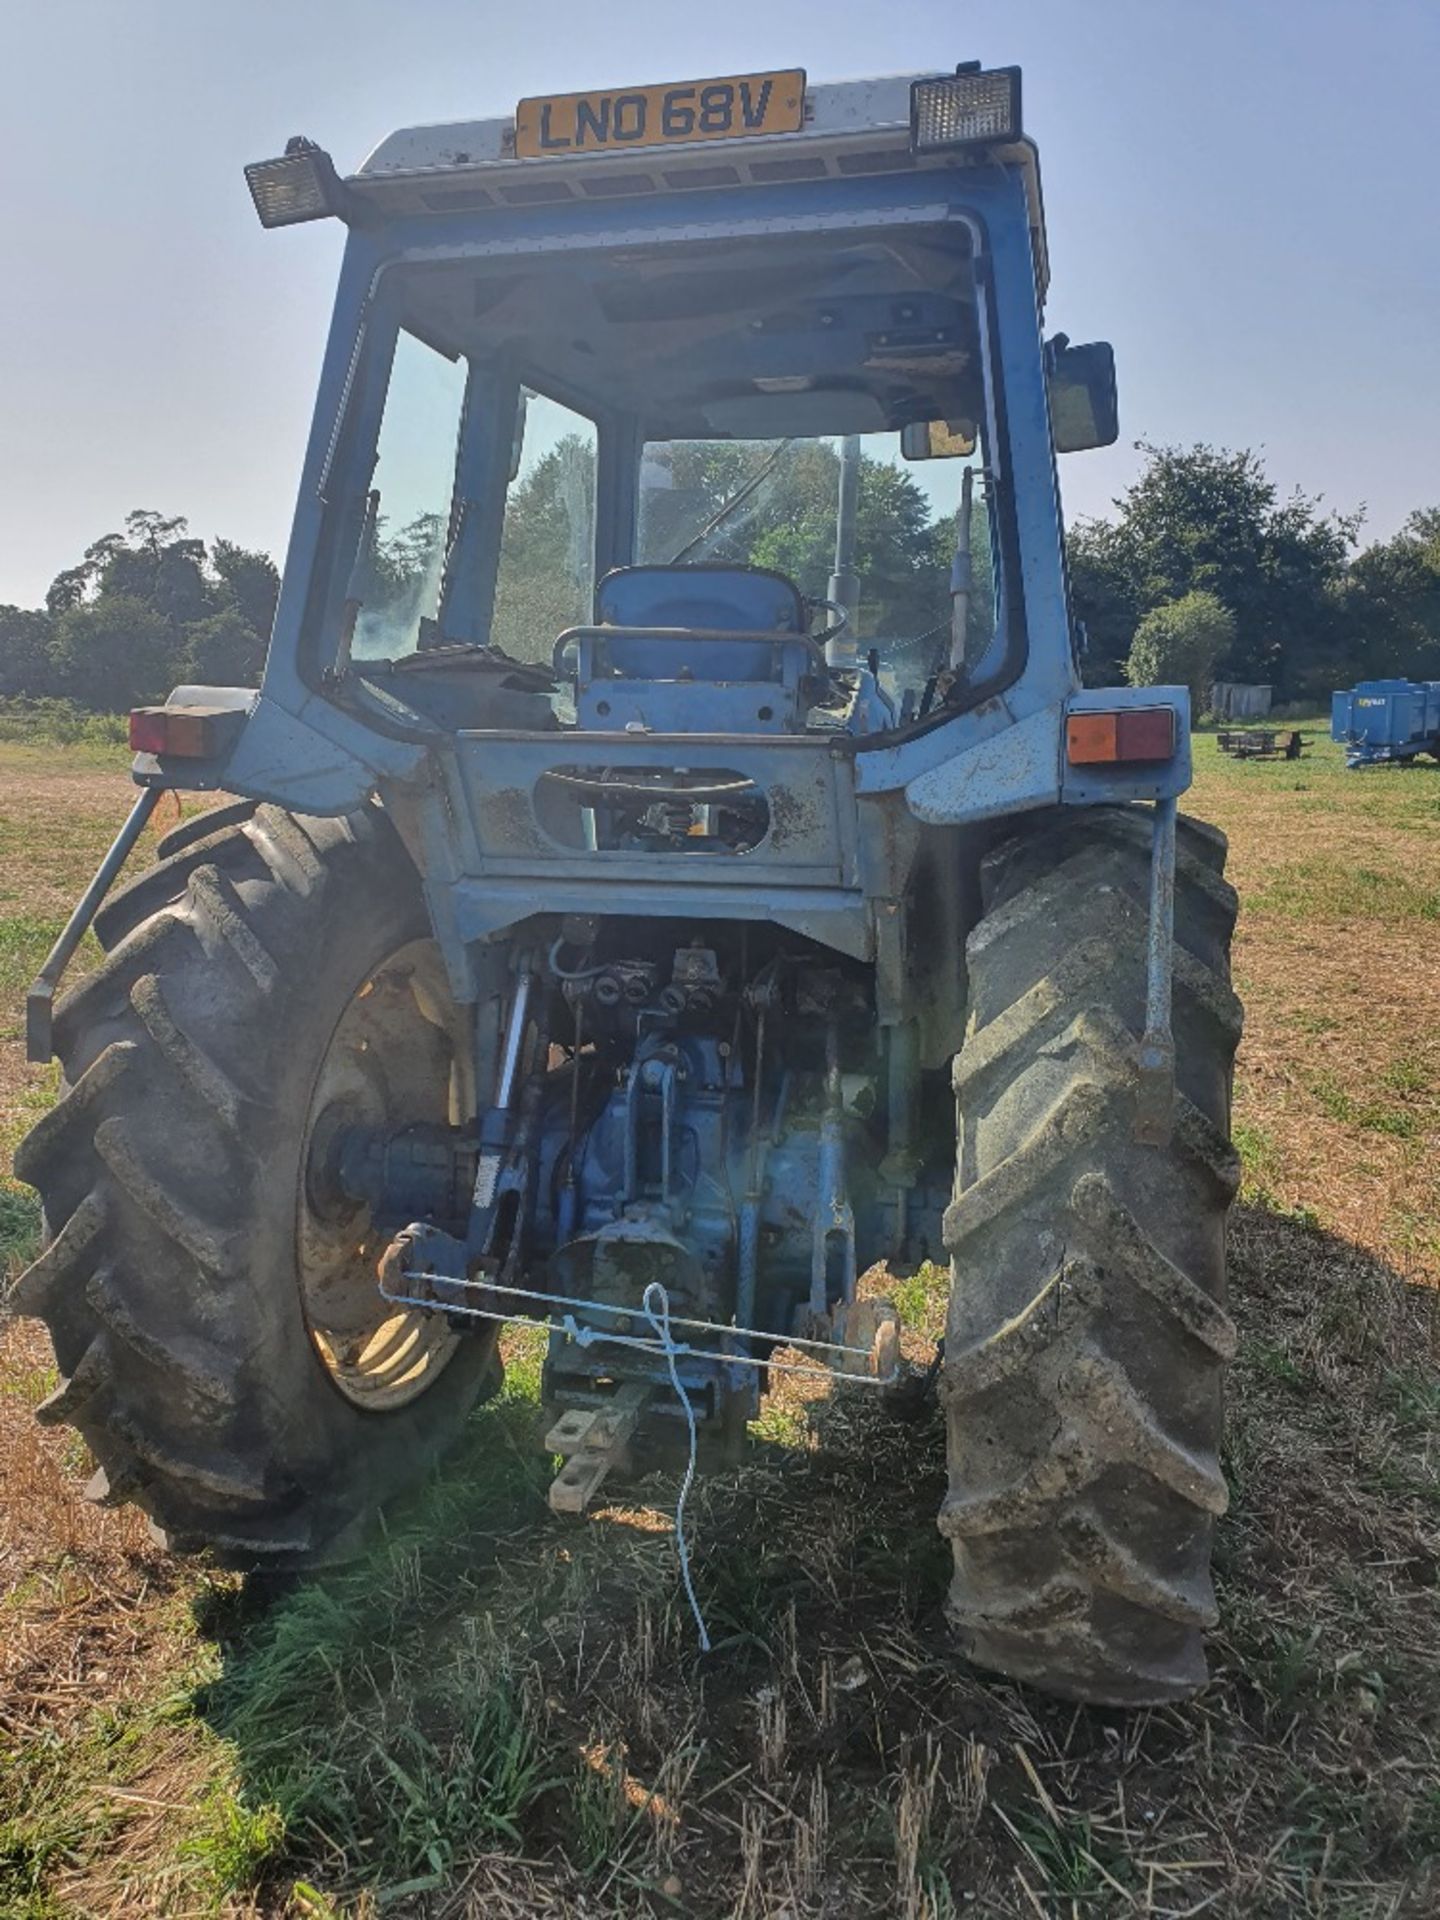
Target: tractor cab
<point x="637" y="423"/>
<point x="704" y="520"/>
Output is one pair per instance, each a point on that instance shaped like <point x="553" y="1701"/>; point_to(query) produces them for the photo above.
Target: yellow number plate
<point x="626" y="118"/>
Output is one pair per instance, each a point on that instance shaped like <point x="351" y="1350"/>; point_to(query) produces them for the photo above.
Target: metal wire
<point x="656" y="1304"/>
<point x="590" y="1336"/>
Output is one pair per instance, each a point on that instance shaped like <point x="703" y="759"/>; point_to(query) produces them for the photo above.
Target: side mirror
<point x="1084" y="405"/>
<point x="938" y="440"/>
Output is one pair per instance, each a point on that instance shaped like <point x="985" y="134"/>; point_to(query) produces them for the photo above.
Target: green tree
<point x="543" y="584"/>
<point x="223" y="651"/>
<point x="788" y="524"/>
<point x="112" y="653"/>
<point x="902" y="589"/>
<point x="250" y="583"/>
<point x="142" y="611"/>
<point x="27" y="664"/>
<point x="160" y="563"/>
<point x="1205" y="519"/>
<point x="1392" y="604"/>
<point x="121" y="616"/>
<point x="1107" y="597"/>
<point x="398" y="585"/>
<point x="1177" y="644"/>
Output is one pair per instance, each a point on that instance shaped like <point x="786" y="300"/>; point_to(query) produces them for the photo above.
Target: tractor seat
<point x="663" y="634"/>
<point x="748" y="599"/>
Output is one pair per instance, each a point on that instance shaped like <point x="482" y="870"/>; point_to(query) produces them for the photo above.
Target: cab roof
<point x="846" y="110"/>
<point x="851" y="127"/>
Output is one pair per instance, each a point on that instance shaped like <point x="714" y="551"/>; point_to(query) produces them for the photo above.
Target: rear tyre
<point x="212" y="1300"/>
<point x="1087" y="1334"/>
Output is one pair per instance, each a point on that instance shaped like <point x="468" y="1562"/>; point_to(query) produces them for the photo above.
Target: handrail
<point x="40" y="1000"/>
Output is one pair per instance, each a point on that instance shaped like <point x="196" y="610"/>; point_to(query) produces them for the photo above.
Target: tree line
<point x="141" y="612"/>
<point x="1205" y="571"/>
<point x="1201" y="571"/>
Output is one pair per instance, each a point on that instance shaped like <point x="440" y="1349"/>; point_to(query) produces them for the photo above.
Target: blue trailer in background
<point x="1387" y="720"/>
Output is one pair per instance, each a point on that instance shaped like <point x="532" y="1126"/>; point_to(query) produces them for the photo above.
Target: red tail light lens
<point x="187" y="732"/>
<point x="1124" y="735"/>
<point x="147" y="730"/>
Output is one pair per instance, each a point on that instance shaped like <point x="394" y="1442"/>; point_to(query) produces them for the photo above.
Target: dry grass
<point x="1338" y="960"/>
<point x="501" y="1716"/>
<point x="59" y="809"/>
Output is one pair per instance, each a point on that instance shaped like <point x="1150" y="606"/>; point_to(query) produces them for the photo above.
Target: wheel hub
<point x="395" y="1068"/>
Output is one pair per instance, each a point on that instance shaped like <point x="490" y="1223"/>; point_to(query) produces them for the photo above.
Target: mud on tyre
<point x="222" y="1346"/>
<point x="1087" y="1333"/>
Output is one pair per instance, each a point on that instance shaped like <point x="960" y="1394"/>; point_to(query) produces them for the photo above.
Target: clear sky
<point x="1242" y="195"/>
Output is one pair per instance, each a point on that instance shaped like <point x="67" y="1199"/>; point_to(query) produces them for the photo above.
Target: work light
<point x="965" y="109"/>
<point x="303" y="185"/>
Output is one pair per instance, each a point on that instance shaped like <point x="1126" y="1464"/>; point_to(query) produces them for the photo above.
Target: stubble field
<point x="498" y="1714"/>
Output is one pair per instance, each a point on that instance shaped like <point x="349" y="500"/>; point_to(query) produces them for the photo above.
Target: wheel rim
<point x="397" y="1055"/>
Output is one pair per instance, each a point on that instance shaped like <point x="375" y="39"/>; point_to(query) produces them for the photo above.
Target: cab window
<point x="396" y="580"/>
<point x="545" y="581"/>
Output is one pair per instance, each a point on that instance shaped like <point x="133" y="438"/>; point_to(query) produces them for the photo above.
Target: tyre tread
<point x="147" y="1168"/>
<point x="1084" y="1426"/>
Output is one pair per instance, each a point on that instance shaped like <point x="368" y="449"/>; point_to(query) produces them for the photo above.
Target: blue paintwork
<point x="664" y="1178"/>
<point x="484" y="865"/>
<point x="302" y="749"/>
<point x="991" y="196"/>
<point x="639" y="665"/>
<point x="1382" y="720"/>
<point x="735" y="599"/>
<point x="681" y="1206"/>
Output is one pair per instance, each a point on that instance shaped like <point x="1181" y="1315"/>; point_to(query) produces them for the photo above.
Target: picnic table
<point x="1261" y="743"/>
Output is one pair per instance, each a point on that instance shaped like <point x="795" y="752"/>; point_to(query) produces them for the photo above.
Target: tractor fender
<point x="316" y="760"/>
<point x="1023" y="766"/>
<point x="1007" y="772"/>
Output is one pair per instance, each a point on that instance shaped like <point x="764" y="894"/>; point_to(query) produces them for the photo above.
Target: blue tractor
<point x="671" y="866"/>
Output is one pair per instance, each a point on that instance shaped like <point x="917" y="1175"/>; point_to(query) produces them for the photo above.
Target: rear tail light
<point x="191" y="733"/>
<point x="1123" y="735"/>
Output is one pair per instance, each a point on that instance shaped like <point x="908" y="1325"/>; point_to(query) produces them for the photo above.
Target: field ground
<point x="500" y="1715"/>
